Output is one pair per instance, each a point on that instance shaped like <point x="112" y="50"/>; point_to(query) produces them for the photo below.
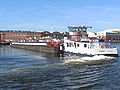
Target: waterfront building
<point x="11" y="35"/>
<point x="112" y="35"/>
<point x="52" y="35"/>
<point x="26" y="36"/>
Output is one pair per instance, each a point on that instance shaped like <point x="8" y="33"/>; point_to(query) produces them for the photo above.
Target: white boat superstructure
<point x="90" y="48"/>
<point x="79" y="42"/>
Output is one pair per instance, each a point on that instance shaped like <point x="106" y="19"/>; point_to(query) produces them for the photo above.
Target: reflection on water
<point x="27" y="70"/>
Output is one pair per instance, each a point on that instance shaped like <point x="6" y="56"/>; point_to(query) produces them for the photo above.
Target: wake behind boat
<point x="79" y="43"/>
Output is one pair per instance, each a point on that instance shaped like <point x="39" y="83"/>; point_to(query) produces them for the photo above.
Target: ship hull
<point x="36" y="46"/>
<point x="90" y="49"/>
<point x="79" y="54"/>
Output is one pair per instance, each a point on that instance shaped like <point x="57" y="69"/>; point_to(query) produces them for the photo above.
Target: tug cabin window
<point x="78" y="45"/>
<point x="67" y="44"/>
<point x="73" y="45"/>
<point x="85" y="45"/>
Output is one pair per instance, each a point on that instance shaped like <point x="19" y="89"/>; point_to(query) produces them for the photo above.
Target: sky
<point x="57" y="15"/>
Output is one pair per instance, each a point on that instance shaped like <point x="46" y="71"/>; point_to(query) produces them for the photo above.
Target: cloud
<point x="59" y="17"/>
<point x="35" y="27"/>
<point x="95" y="16"/>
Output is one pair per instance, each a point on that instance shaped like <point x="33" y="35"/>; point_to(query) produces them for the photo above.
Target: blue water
<point x="27" y="70"/>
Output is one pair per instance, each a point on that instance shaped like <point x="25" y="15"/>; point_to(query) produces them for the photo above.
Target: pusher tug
<point x="79" y="43"/>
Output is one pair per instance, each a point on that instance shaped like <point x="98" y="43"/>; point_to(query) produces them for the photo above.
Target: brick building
<point x="22" y="36"/>
<point x="10" y="35"/>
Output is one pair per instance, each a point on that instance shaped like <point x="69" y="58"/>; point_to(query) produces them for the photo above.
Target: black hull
<point x="110" y="55"/>
<point x="79" y="54"/>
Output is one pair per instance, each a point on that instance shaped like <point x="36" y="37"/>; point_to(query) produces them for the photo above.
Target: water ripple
<point x="23" y="70"/>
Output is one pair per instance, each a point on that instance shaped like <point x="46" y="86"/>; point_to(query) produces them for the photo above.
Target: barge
<point x="42" y="47"/>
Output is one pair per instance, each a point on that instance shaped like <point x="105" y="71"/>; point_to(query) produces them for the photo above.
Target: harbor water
<point x="28" y="70"/>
